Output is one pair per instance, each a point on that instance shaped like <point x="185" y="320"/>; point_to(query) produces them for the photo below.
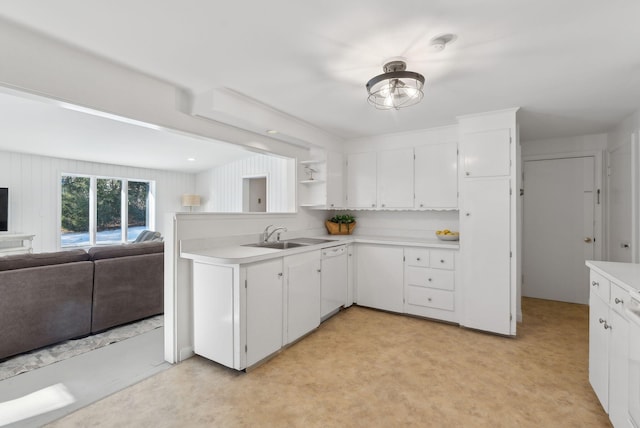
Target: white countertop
<point x="624" y="274"/>
<point x="239" y="254"/>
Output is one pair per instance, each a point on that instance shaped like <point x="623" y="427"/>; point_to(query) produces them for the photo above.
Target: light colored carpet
<point x="52" y="354"/>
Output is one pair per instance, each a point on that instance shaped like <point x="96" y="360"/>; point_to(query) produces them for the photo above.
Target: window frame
<point x="93" y="208"/>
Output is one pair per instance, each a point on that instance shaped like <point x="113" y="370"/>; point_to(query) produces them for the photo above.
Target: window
<point x="104" y="210"/>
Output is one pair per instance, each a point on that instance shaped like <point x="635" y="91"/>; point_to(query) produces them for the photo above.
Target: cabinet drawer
<point x="599" y="285"/>
<point x="416" y="257"/>
<point x="619" y="297"/>
<point x="441" y="259"/>
<point x="428" y="297"/>
<point x="427" y="277"/>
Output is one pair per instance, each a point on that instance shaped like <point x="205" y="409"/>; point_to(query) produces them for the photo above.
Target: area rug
<point x="51" y="354"/>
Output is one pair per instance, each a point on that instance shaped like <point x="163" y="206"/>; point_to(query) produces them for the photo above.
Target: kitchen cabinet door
<point x="436" y="176"/>
<point x="335" y="180"/>
<point x="264" y="309"/>
<point x="395" y="178"/>
<point x="485" y="237"/>
<point x="361" y="180"/>
<point x="302" y="273"/>
<point x="619" y="370"/>
<point x="486" y="153"/>
<point x="379" y="277"/>
<point x="213" y="323"/>
<point x="334" y="279"/>
<point x="599" y="349"/>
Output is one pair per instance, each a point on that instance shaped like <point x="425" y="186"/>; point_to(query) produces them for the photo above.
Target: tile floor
<point x="374" y="369"/>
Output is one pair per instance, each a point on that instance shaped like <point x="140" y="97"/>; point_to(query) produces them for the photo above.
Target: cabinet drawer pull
<point x="595" y="283"/>
<point x="607" y="326"/>
<point x="618" y="300"/>
<point x="601" y="320"/>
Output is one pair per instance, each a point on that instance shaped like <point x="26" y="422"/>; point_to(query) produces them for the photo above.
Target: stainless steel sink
<point x="282" y="245"/>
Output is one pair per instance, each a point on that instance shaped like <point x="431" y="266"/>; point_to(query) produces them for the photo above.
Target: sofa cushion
<point x="22" y="261"/>
<point x="112" y="251"/>
<point x="44" y="305"/>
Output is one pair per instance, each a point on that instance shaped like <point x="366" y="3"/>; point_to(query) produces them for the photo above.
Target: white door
<point x="485" y="242"/>
<point x="303" y="294"/>
<point x="264" y="310"/>
<point x="395" y="178"/>
<point x="436" y="176"/>
<point x="620" y="207"/>
<point x="477" y="145"/>
<point x="558" y="228"/>
<point x="379" y="277"/>
<point x="361" y="180"/>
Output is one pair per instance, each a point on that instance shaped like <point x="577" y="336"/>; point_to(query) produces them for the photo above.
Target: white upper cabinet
<point x="486" y="153"/>
<point x="322" y="182"/>
<point x="361" y="180"/>
<point x="335" y="181"/>
<point x="395" y="178"/>
<point x="436" y="176"/>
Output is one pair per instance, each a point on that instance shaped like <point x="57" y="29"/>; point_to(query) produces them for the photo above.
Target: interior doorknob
<point x="587" y="240"/>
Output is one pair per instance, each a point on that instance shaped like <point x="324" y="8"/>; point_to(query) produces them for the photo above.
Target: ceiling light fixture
<point x="396" y="88"/>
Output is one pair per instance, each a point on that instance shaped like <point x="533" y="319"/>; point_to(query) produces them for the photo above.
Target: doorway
<point x="560" y="226"/>
<point x="254" y="194"/>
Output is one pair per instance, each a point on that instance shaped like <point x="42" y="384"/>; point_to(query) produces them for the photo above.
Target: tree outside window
<point x="121" y="209"/>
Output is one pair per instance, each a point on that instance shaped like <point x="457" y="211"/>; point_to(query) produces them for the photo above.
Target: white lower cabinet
<point x="238" y="311"/>
<point x="429" y="283"/>
<point x="609" y="348"/>
<point x="264" y="309"/>
<point x="302" y="276"/>
<point x="379" y="277"/>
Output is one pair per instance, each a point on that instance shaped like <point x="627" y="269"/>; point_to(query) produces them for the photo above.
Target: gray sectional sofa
<point x="50" y="297"/>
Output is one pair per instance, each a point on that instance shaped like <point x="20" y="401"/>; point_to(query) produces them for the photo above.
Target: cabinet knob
<point x="618" y="300"/>
<point x="441" y="261"/>
<point x="421" y="205"/>
<point x="467" y="173"/>
<point x="280" y="275"/>
<point x="384" y="205"/>
<point x="468" y="214"/>
<point x="332" y="205"/>
<point x="373" y="205"/>
<point x="429" y="299"/>
<point x="319" y="270"/>
<point x="607" y="326"/>
<point x="601" y="320"/>
<point x="429" y="279"/>
<point x="418" y="258"/>
<point x="595" y="283"/>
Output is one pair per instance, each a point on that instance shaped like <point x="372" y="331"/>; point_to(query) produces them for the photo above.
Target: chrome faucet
<point x="266" y="234"/>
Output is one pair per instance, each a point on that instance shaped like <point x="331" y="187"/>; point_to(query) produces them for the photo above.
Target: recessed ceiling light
<point x="191" y="159"/>
<point x="271" y="131"/>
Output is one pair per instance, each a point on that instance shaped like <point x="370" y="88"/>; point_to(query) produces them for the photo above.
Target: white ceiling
<point x="572" y="65"/>
<point x="44" y="128"/>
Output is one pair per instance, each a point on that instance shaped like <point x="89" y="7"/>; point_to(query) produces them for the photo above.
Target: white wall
<point x="34" y="192"/>
<point x="623" y="151"/>
<point x="579" y="144"/>
<point x="222" y="188"/>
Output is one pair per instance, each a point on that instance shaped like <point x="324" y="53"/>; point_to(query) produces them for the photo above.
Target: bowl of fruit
<point x="447" y="235"/>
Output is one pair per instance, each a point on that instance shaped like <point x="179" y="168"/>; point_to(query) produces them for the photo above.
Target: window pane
<point x="138" y="205"/>
<point x="75" y="211"/>
<point x="109" y="203"/>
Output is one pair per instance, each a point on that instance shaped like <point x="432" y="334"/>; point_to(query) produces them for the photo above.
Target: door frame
<point x="246" y="179"/>
<point x="598" y="230"/>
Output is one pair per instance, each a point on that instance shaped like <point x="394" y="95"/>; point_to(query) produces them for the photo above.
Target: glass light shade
<point x="395" y="90"/>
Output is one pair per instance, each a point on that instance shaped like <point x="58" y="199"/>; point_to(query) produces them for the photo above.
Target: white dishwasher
<point x="333" y="288"/>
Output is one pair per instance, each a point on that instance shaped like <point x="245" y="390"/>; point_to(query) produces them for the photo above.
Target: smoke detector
<point x="440" y="42"/>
